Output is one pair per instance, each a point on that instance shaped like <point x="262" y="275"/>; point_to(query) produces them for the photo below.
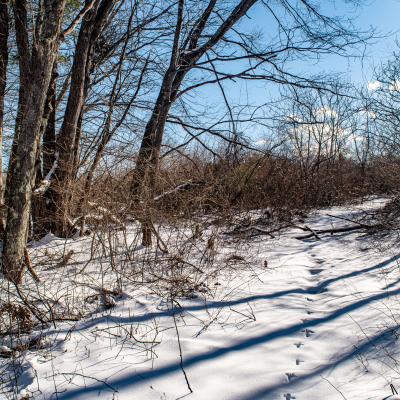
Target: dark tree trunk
<point x="21" y="33"/>
<point x="45" y="158"/>
<point x="3" y="79"/>
<point x="49" y="133"/>
<point x="181" y="62"/>
<point x="68" y="138"/>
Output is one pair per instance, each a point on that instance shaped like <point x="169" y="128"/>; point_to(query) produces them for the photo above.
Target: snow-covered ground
<point x="285" y="319"/>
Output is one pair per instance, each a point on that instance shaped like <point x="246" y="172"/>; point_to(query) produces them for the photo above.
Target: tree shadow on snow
<point x="130" y="380"/>
<point x="319" y="288"/>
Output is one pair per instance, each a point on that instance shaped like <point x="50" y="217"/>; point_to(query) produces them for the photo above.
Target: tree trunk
<point x="182" y="61"/>
<point x="49" y="131"/>
<point x="67" y="140"/>
<point x="22" y="168"/>
<point x="66" y="137"/>
<point x="3" y="78"/>
<point x="45" y="158"/>
<point x="21" y="33"/>
<point x="144" y="179"/>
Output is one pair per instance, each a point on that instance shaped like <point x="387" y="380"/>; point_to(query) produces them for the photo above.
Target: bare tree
<point x="37" y="61"/>
<point x="102" y="53"/>
<point x="90" y="30"/>
<point x="383" y="105"/>
<point x="205" y="40"/>
<point x="318" y="126"/>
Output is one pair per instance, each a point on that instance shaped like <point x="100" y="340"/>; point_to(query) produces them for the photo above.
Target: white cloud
<point x="261" y="142"/>
<point x="373" y="85"/>
<point x="326" y="111"/>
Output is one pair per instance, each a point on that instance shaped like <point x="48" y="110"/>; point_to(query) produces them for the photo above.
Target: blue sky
<point x="382" y="15"/>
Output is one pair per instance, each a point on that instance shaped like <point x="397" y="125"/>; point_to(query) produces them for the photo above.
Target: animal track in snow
<point x="317" y="259"/>
<point x="308" y="299"/>
<point x="298" y="344"/>
<point x="290" y="376"/>
<point x="308" y="332"/>
<point x="288" y="396"/>
<point x="315" y="271"/>
<point x="298" y="361"/>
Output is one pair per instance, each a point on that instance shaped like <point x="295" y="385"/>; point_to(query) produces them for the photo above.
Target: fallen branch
<point x="349" y="220"/>
<point x="179" y="188"/>
<point x="29" y="266"/>
<point x="260" y="231"/>
<point x="65" y="374"/>
<point x="312" y="232"/>
<point x="333" y="230"/>
<point x="180" y="352"/>
<point x="45" y="183"/>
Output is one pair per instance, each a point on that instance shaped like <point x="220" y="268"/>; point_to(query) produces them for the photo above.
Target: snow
<point x="45" y="183"/>
<point x="318" y="322"/>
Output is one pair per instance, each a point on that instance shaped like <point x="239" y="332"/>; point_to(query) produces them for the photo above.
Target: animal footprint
<point x="299" y="344"/>
<point x="315" y="271"/>
<point x="290" y="376"/>
<point x="308" y="332"/>
<point x="288" y="396"/>
<point x="298" y="361"/>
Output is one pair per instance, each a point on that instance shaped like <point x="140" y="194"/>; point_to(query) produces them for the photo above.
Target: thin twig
<point x="330" y="383"/>
<point x="180" y="352"/>
<point x="90" y="377"/>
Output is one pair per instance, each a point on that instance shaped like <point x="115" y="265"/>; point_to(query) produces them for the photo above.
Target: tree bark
<point x="40" y="62"/>
<point x="4" y="20"/>
<point x="21" y="33"/>
<point x="49" y="130"/>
